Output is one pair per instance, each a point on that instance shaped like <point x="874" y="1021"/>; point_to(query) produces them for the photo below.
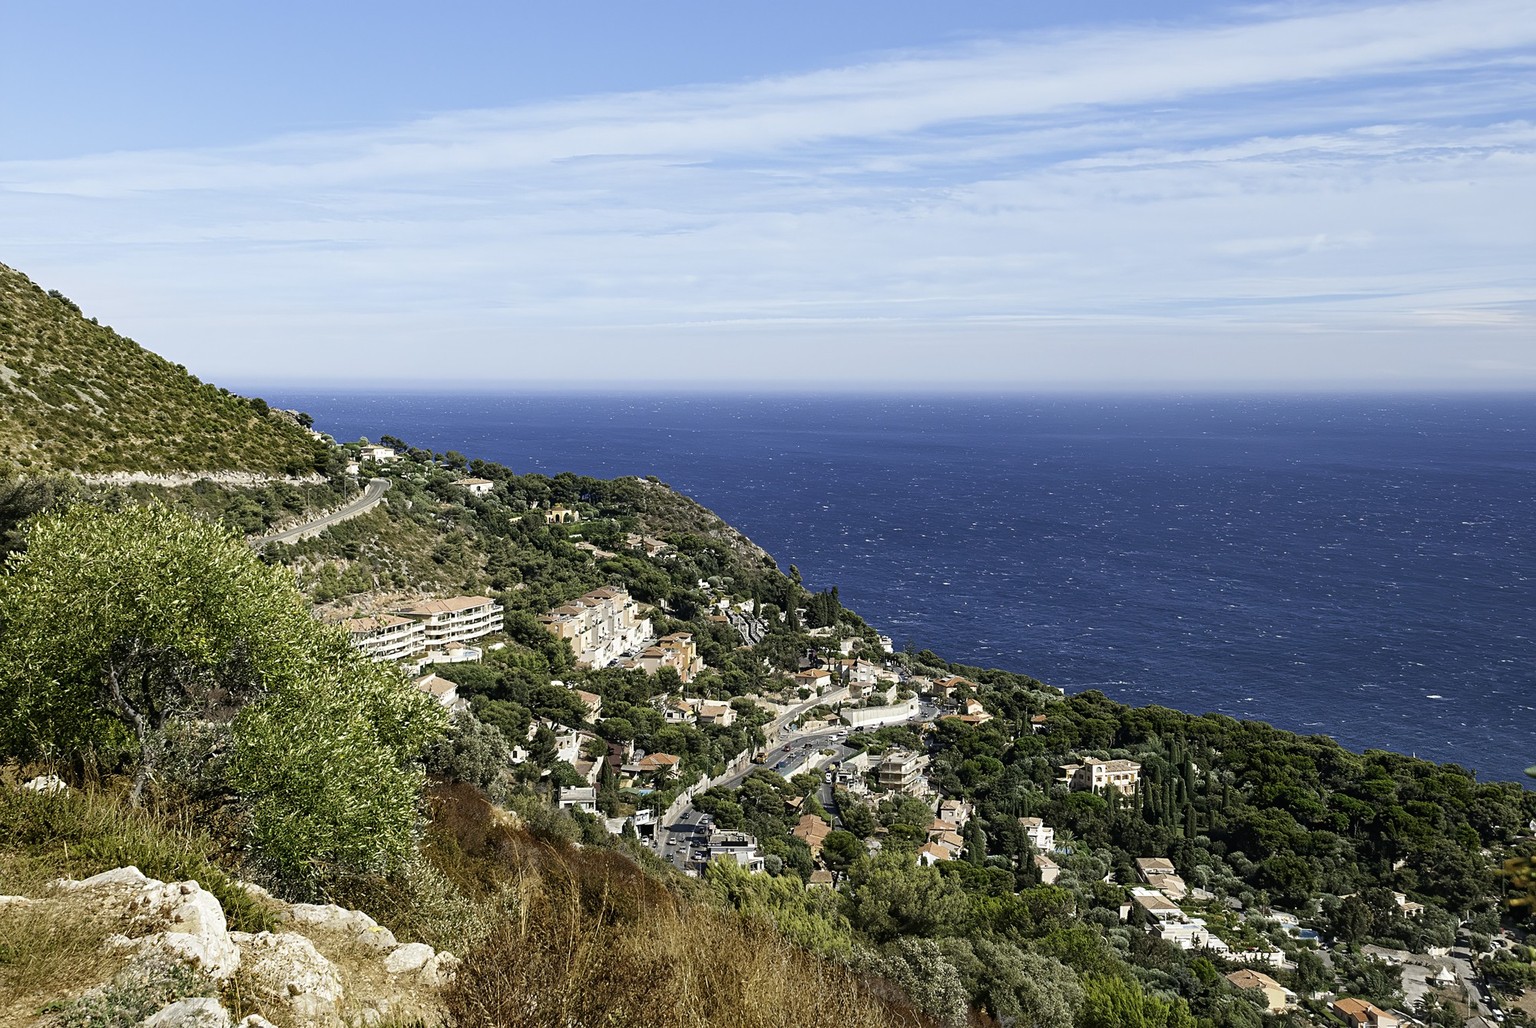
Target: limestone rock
<point x="410" y="957"/>
<point x="378" y="937"/>
<point x="441" y="969"/>
<point x="195" y="931"/>
<point x="284" y="969"/>
<point x="118" y="878"/>
<point x="256" y="1021"/>
<point x="189" y="1013"/>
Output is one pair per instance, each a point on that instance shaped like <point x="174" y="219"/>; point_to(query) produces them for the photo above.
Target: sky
<point x="892" y="195"/>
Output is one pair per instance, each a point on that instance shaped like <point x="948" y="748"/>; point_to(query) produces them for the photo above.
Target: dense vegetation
<point x="76" y="396"/>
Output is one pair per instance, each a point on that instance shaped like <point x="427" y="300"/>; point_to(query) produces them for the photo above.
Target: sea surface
<point x="1361" y="567"/>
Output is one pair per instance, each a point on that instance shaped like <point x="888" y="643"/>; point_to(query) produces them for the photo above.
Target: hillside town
<point x="841" y="757"/>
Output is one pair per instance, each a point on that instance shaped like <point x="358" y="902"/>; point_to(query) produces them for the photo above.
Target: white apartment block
<point x="454" y="620"/>
<point x="385" y="636"/>
<point x="601" y="626"/>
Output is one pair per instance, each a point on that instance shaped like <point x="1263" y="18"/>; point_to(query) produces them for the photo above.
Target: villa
<point x="1097" y="775"/>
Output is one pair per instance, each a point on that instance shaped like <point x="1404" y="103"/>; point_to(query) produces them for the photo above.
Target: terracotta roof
<point x="451" y="605"/>
<point x="936" y="851"/>
<point x="434" y="686"/>
<point x="373" y="623"/>
<point x="1248" y="979"/>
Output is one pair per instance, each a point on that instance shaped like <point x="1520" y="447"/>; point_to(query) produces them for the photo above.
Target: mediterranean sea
<point x="1362" y="567"/>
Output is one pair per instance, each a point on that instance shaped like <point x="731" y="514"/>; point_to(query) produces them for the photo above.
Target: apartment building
<point x="455" y="619"/>
<point x="386" y="636"/>
<point x="901" y="770"/>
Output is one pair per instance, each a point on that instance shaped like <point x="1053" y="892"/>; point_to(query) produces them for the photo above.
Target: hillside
<point x="76" y="396"/>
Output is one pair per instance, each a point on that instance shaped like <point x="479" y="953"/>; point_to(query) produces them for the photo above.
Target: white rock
<point x="48" y="785"/>
<point x="199" y="913"/>
<point x="410" y="957"/>
<point x="189" y="1013"/>
<point x="286" y="970"/>
<point x="15" y="901"/>
<point x="377" y="937"/>
<point x="441" y="969"/>
<point x="117" y="878"/>
<point x="256" y="1021"/>
<point x="214" y="955"/>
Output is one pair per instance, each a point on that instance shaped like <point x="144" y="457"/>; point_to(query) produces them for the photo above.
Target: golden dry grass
<point x="585" y="937"/>
<point x="52" y="950"/>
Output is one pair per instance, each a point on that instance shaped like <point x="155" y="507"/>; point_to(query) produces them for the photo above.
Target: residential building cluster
<point x="601" y="626"/>
<point x="676" y="651"/>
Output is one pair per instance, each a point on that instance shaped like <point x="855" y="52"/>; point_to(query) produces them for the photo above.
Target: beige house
<point x="815" y="679"/>
<point x="1049" y="869"/>
<point x="592" y="701"/>
<point x="722" y="714"/>
<point x="478" y="486"/>
<point x="1160" y="873"/>
<point x="455" y="619"/>
<point x="676" y="651"/>
<point x="1276" y="998"/>
<point x="561" y="516"/>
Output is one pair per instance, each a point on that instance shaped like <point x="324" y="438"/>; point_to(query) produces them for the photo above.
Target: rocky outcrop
<point x="328" y="966"/>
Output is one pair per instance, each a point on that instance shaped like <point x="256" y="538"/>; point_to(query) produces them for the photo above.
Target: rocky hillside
<point x="76" y="396"/>
<point x="122" y="948"/>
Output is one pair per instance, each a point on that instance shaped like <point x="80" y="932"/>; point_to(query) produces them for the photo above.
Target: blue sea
<point x="1361" y="567"/>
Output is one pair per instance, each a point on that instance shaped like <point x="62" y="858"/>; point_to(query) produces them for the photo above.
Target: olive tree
<point x="120" y="628"/>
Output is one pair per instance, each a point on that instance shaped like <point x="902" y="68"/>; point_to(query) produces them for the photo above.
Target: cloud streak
<point x="1321" y="172"/>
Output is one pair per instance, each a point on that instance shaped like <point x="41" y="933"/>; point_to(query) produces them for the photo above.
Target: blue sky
<point x="821" y="196"/>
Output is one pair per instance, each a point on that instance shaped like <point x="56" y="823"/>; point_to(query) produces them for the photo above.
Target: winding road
<point x="377" y="487"/>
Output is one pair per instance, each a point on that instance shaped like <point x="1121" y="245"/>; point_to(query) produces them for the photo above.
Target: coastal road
<point x="363" y="504"/>
<point x="679" y="839"/>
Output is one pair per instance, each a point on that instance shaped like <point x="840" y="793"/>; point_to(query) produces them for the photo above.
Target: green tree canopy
<point x="119" y="626"/>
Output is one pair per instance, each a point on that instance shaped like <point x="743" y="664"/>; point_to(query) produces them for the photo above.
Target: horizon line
<point x="480" y="387"/>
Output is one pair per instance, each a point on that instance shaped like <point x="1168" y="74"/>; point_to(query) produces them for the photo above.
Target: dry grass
<point x="586" y="937"/>
<point x="52" y="950"/>
<point x="89" y="831"/>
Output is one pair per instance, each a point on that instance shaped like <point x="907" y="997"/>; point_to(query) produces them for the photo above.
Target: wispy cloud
<point x="1299" y="172"/>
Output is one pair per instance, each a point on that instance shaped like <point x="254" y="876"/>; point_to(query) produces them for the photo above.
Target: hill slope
<point x="76" y="396"/>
